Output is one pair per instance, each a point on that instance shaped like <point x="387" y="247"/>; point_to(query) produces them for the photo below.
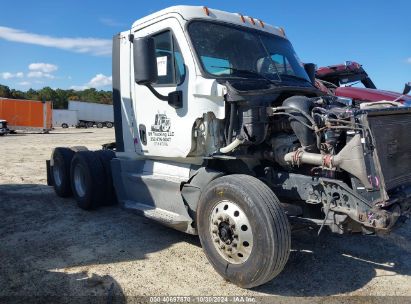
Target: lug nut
<point x="214" y="231"/>
<point x="222" y="247"/>
<point x="220" y="218"/>
<point x="215" y="223"/>
<point x="235" y="236"/>
<point x="216" y="240"/>
<point x="229" y="249"/>
<point x="235" y="245"/>
<point x="232" y="226"/>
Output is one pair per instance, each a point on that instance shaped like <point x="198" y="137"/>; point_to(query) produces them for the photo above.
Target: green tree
<point x="59" y="97"/>
<point x="5" y="91"/>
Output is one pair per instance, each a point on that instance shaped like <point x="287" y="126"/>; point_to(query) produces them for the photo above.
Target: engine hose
<point x="297" y="110"/>
<point x="236" y="142"/>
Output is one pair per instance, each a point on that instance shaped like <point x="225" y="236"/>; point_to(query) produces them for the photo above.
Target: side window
<point x="170" y="64"/>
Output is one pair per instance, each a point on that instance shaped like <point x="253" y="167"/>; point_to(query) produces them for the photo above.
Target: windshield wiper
<point x="248" y="72"/>
<point x="296" y="78"/>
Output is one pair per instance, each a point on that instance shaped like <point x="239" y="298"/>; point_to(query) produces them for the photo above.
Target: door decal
<point x="161" y="134"/>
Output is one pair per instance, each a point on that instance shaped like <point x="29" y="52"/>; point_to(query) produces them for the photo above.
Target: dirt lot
<point x="48" y="246"/>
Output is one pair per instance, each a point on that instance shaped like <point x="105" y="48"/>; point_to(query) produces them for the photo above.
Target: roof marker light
<point x="261" y="23"/>
<point x="206" y="10"/>
<point x="241" y="17"/>
<point x="252" y="20"/>
<point x="282" y="31"/>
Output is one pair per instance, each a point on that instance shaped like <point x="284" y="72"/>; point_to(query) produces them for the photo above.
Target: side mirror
<point x="310" y="68"/>
<point x="145" y="62"/>
<point x="145" y="70"/>
<point x="407" y="88"/>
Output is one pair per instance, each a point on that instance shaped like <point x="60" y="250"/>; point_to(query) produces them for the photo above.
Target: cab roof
<point x="188" y="13"/>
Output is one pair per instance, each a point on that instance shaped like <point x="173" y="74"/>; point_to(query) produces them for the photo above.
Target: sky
<point x="67" y="43"/>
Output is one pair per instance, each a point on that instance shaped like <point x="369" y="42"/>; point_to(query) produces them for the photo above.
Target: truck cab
<point x="193" y="61"/>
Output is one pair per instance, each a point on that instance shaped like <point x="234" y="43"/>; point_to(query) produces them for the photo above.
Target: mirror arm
<point x="157" y="94"/>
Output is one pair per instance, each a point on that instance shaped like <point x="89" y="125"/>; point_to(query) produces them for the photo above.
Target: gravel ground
<point x="48" y="246"/>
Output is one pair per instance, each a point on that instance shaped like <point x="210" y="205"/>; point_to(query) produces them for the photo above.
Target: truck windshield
<point x="227" y="51"/>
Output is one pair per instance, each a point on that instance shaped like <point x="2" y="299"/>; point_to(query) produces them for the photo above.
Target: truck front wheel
<point x="243" y="230"/>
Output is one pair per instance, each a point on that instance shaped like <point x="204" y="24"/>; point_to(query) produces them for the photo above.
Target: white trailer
<point x="65" y="118"/>
<point x="221" y="132"/>
<point x="90" y="114"/>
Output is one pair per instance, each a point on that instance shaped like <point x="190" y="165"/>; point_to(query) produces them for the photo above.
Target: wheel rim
<point x="57" y="174"/>
<point x="231" y="232"/>
<point x="79" y="180"/>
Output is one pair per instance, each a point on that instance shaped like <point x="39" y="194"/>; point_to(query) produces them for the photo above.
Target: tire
<point x="165" y="128"/>
<point x="90" y="124"/>
<point x="109" y="124"/>
<point x="99" y="125"/>
<point x="82" y="124"/>
<point x="262" y="246"/>
<point x="60" y="171"/>
<point x="87" y="180"/>
<point x="64" y="125"/>
<point x="105" y="157"/>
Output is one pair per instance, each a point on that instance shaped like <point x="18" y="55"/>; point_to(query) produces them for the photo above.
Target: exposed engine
<point x="330" y="149"/>
<point x="328" y="137"/>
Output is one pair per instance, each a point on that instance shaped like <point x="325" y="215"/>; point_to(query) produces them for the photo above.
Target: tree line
<point x="59" y="97"/>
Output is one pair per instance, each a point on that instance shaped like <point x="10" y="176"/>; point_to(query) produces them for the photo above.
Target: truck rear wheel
<point x="87" y="179"/>
<point x="90" y="124"/>
<point x="99" y="125"/>
<point x="243" y="230"/>
<point x="109" y="124"/>
<point x="64" y="125"/>
<point x="60" y="169"/>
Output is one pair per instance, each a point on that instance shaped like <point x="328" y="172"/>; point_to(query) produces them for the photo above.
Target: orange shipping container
<point x="26" y="113"/>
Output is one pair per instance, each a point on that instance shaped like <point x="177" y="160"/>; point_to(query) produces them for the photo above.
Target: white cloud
<point x="8" y="75"/>
<point x="24" y="83"/>
<point x="409" y="59"/>
<point x="100" y="80"/>
<point x="43" y="67"/>
<point x="94" y="46"/>
<point x="39" y="74"/>
<point x="79" y="88"/>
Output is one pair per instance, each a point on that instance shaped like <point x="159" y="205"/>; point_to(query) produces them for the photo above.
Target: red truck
<point x="339" y="80"/>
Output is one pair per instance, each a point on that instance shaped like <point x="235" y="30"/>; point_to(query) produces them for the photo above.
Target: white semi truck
<point x="91" y="114"/>
<point x="220" y="132"/>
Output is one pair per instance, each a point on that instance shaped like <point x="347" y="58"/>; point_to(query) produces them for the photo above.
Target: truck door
<point x="164" y="130"/>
